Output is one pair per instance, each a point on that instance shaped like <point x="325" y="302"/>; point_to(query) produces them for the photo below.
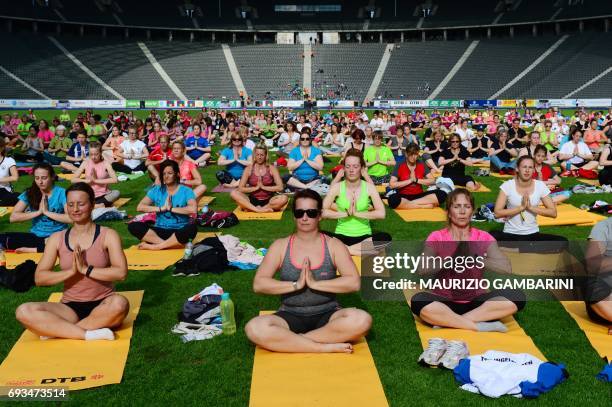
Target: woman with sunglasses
<point x="454" y="160"/>
<point x="259" y="184"/>
<point x="173" y="204"/>
<point x="91" y="260"/>
<point x="349" y="201"/>
<point x="236" y="157"/>
<point x="43" y="203"/>
<point x="313" y="269"/>
<point x="305" y="162"/>
<point x="549" y="138"/>
<point x="472" y="309"/>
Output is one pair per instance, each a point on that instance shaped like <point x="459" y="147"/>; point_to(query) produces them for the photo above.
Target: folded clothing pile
<point x="200" y="318"/>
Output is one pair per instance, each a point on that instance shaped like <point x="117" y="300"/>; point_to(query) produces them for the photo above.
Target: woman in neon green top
<point x="379" y="158"/>
<point x="354" y="203"/>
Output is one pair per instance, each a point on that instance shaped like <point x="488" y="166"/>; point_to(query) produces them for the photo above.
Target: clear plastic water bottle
<point x="204" y="209"/>
<point x="188" y="250"/>
<point x="227" y="315"/>
<point x="2" y="257"/>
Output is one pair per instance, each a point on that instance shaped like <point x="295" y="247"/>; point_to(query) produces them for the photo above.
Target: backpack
<point x="217" y="219"/>
<point x="20" y="279"/>
<point x="212" y="259"/>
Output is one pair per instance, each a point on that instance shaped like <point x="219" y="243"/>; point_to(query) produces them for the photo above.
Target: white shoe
<point x="455" y="351"/>
<point x="436" y="348"/>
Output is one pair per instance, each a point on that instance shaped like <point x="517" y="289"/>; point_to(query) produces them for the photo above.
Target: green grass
<point x="161" y="369"/>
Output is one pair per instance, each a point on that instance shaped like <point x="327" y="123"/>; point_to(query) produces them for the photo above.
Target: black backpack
<point x="20" y="279"/>
<point x="213" y="259"/>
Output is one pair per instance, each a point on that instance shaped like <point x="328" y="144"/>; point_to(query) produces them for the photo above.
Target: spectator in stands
<point x="133" y="152"/>
<point x="197" y="146"/>
<point x="58" y="147"/>
<point x="479" y="146"/>
<point x="32" y="148"/>
<point x="454" y="160"/>
<point x="8" y="174"/>
<point x="517" y="137"/>
<point x="502" y="154"/>
<point x="99" y="174"/>
<point x="575" y="154"/>
<point x="409" y="179"/>
<point x="44" y="204"/>
<point x="112" y="145"/>
<point x="160" y="154"/>
<point x="259" y="184"/>
<point x="188" y="170"/>
<point x="594" y="138"/>
<point x="236" y="158"/>
<point x="378" y="159"/>
<point x="79" y="151"/>
<point x="173" y="204"/>
<point x="305" y="162"/>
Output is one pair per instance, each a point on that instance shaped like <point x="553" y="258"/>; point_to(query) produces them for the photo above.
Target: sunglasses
<point x="311" y="213"/>
<point x="455" y="141"/>
<point x="305" y="138"/>
<point x="236" y="139"/>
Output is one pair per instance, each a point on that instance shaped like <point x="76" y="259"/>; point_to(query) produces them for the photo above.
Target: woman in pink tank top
<point x="99" y="174"/>
<point x="91" y="259"/>
<point x="259" y="185"/>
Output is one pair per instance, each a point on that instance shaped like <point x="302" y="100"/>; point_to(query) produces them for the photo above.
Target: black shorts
<point x="594" y="316"/>
<point x="423" y="299"/>
<point x="300" y="324"/>
<point x="352" y="240"/>
<point x="461" y="180"/>
<point x="395" y="200"/>
<point x="102" y="200"/>
<point x="258" y="202"/>
<point x="83" y="309"/>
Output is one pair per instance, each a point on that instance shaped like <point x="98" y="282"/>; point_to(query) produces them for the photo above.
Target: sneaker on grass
<point x="455" y="351"/>
<point x="436" y="348"/>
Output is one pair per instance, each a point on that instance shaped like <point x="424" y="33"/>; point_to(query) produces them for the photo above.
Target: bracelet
<point x="89" y="270"/>
<point x="294" y="283"/>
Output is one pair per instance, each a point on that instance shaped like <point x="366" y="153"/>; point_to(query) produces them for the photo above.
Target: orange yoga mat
<point x="570" y="215"/>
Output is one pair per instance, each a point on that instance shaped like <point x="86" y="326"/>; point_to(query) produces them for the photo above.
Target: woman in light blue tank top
<point x="313" y="269"/>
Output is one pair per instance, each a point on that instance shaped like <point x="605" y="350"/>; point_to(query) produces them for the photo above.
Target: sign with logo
<point x="480" y="103"/>
<point x="288" y="103"/>
<point x="445" y="103"/>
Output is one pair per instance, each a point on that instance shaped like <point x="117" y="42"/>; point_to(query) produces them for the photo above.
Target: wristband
<point x="294" y="283"/>
<point x="89" y="270"/>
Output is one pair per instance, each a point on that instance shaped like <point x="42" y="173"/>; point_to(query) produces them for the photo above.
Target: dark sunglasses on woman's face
<point x="305" y="138"/>
<point x="311" y="213"/>
<point x="236" y="139"/>
<point x="455" y="141"/>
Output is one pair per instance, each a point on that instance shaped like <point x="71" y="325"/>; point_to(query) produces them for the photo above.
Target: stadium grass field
<point x="161" y="369"/>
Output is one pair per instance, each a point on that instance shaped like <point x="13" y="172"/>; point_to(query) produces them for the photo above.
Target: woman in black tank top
<point x="309" y="320"/>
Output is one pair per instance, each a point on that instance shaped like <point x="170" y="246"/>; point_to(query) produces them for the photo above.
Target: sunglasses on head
<point x="311" y="213"/>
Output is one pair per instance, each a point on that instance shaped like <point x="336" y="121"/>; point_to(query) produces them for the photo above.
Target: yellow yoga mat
<point x="69" y="176"/>
<point x="422" y="215"/>
<point x="14" y="259"/>
<point x="597" y="334"/>
<point x="246" y="215"/>
<point x="382" y="188"/>
<point x="570" y="215"/>
<point x="314" y="379"/>
<point x="498" y="175"/>
<point x="158" y="260"/>
<point x="120" y="202"/>
<point x="5" y="210"/>
<point x="594" y="182"/>
<point x="70" y="363"/>
<point x="514" y="341"/>
<point x="549" y="264"/>
<point x="483" y="188"/>
<point x="483" y="164"/>
<point x="205" y="200"/>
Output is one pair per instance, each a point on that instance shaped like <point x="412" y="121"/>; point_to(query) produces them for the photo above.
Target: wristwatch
<point x="294" y="283"/>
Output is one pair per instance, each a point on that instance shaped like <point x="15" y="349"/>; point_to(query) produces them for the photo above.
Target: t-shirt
<point x="503" y="155"/>
<point x="431" y="146"/>
<point x="196" y="142"/>
<point x="304" y="172"/>
<point x="77" y="150"/>
<point x="135" y="148"/>
<point x="43" y="226"/>
<point x="5" y="171"/>
<point x="547" y="173"/>
<point x="167" y="220"/>
<point x="602" y="232"/>
<point x="185" y="170"/>
<point x="23" y="129"/>
<point x="157" y="154"/>
<point x="384" y="153"/>
<point x="60" y="143"/>
<point x="456" y="168"/>
<point x="568" y="148"/>
<point x="526" y="224"/>
<point x="45" y="135"/>
<point x="235" y="168"/>
<point x="443" y="244"/>
<point x="480" y="153"/>
<point x="402" y="173"/>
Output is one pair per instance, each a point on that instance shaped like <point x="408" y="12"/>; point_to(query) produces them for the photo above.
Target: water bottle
<point x="188" y="250"/>
<point x="227" y="315"/>
<point x="2" y="257"/>
<point x="204" y="209"/>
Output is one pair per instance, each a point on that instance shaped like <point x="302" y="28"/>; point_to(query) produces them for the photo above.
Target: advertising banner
<point x="480" y="103"/>
<point x="401" y="103"/>
<point x="288" y="103"/>
<point x="594" y="102"/>
<point x="151" y="104"/>
<point x="532" y="103"/>
<point x="508" y="103"/>
<point x="335" y="103"/>
<point x="445" y="103"/>
<point x="132" y="104"/>
<point x="28" y="103"/>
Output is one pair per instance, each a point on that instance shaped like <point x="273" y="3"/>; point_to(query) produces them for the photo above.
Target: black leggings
<point x="396" y="199"/>
<point x="38" y="157"/>
<point x="531" y="243"/>
<point x="127" y="170"/>
<point x="423" y="299"/>
<point x="351" y="240"/>
<point x="15" y="240"/>
<point x="461" y="180"/>
<point x="8" y="198"/>
<point x="183" y="235"/>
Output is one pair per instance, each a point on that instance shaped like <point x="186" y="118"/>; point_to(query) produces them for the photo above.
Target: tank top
<point x="267" y="180"/>
<point x="395" y="143"/>
<point x="101" y="173"/>
<point x="306" y="301"/>
<point x="352" y="226"/>
<point x="80" y="288"/>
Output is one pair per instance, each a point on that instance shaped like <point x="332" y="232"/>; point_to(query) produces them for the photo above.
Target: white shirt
<point x="377" y="124"/>
<point x="526" y="224"/>
<point x="5" y="171"/>
<point x="568" y="148"/>
<point x="132" y="149"/>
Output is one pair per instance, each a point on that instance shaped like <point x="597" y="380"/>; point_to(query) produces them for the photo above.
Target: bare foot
<point x="476" y="187"/>
<point x="267" y="209"/>
<point x="147" y="246"/>
<point x="336" y="348"/>
<point x="25" y="250"/>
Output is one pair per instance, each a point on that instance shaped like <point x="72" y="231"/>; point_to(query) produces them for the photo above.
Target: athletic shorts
<point x="423" y="299"/>
<point x="102" y="200"/>
<point x="83" y="309"/>
<point x="258" y="202"/>
<point x="300" y="324"/>
<point x="461" y="180"/>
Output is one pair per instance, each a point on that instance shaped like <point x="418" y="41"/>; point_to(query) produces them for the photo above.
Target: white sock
<point x="44" y="338"/>
<point x="98" y="334"/>
<point x="495" y="326"/>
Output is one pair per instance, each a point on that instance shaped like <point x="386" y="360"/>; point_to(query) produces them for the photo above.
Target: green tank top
<point x="352" y="226"/>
